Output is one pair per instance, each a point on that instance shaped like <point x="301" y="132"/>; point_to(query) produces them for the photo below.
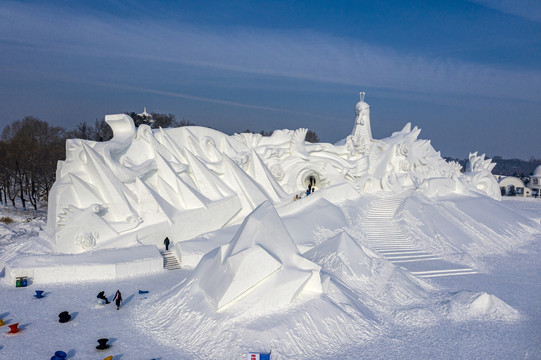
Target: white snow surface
<point x="367" y="304"/>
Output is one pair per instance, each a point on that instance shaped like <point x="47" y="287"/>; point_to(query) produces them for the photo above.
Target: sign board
<point x="258" y="356"/>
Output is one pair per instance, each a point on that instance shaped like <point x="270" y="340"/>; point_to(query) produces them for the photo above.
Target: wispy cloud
<point x="292" y="54"/>
<point x="528" y="9"/>
<point x="212" y="100"/>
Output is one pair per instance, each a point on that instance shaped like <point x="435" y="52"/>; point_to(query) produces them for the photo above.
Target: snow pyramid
<point x="466" y="305"/>
<point x="261" y="268"/>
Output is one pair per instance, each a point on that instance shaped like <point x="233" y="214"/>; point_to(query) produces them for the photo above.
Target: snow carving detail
<point x="87" y="240"/>
<point x="479" y="175"/>
<point x="479" y="163"/>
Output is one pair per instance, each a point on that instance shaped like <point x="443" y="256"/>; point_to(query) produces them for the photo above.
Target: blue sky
<point x="467" y="72"/>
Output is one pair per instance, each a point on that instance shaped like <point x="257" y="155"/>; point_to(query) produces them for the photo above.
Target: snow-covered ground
<point x="490" y="309"/>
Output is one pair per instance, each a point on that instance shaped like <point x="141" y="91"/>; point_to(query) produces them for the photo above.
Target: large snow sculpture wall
<point x="146" y="184"/>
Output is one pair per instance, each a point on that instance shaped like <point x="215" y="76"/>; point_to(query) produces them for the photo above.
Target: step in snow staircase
<point x="385" y="236"/>
<point x="170" y="261"/>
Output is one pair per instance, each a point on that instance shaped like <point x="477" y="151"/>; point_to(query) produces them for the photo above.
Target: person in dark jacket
<point x="118" y="299"/>
<point x="102" y="296"/>
<point x="166" y="242"/>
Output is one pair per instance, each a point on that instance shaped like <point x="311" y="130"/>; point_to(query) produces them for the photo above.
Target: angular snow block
<point x="98" y="265"/>
<point x="261" y="266"/>
<point x="241" y="272"/>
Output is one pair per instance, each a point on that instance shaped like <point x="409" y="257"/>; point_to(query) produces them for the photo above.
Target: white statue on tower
<point x="361" y="136"/>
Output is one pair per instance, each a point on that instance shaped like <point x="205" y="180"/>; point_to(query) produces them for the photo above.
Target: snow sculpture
<point x="261" y="267"/>
<point x="361" y="137"/>
<point x="144" y="184"/>
<point x="479" y="174"/>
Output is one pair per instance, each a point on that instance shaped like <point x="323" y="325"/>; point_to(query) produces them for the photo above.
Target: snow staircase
<point x="170" y="261"/>
<point x="385" y="236"/>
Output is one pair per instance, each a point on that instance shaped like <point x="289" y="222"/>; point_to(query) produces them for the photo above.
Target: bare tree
<point x="32" y="149"/>
<point x="103" y="131"/>
<point x="311" y="136"/>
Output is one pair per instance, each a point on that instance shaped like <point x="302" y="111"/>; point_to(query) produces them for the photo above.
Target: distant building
<point x="535" y="182"/>
<point x="512" y="186"/>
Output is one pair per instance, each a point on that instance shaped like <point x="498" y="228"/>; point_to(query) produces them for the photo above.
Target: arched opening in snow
<point x="309" y="177"/>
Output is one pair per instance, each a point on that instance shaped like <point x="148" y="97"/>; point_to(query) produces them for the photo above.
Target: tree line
<point x="31" y="148"/>
<point x="508" y="167"/>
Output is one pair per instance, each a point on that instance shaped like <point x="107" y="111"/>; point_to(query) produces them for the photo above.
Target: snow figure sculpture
<point x="361" y="135"/>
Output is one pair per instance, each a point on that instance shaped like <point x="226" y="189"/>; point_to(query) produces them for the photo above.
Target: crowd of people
<point x="310" y="190"/>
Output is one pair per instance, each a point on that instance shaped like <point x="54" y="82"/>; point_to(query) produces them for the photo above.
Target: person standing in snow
<point x="166" y="242"/>
<point x="102" y="296"/>
<point x="118" y="299"/>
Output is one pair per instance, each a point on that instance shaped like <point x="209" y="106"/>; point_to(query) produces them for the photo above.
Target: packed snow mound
<point x="470" y="305"/>
<point x="341" y="256"/>
<point x="242" y="285"/>
<point x="23" y="227"/>
<point x="261" y="269"/>
<point x="363" y="271"/>
<point x="145" y="184"/>
<point x="309" y="219"/>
